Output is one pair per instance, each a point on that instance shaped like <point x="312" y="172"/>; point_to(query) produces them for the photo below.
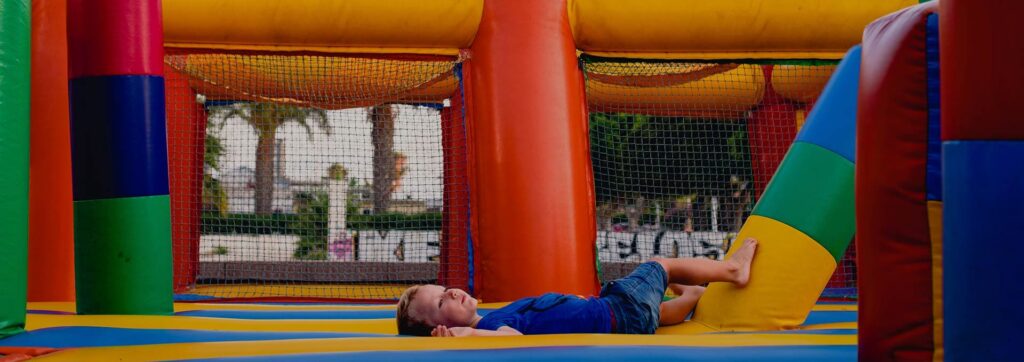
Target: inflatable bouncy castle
<point x="258" y="180"/>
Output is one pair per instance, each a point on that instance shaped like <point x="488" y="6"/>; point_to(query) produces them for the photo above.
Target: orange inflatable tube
<point x="533" y="197"/>
<point x="51" y="247"/>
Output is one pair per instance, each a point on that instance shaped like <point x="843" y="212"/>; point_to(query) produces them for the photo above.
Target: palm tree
<point x="382" y="117"/>
<point x="266" y="118"/>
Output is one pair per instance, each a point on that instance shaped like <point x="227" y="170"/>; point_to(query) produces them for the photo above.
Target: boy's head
<point x="423" y="307"/>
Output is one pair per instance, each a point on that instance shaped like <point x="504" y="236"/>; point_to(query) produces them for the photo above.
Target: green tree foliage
<point x="661" y="158"/>
<point x="215" y="199"/>
<point x="311" y="225"/>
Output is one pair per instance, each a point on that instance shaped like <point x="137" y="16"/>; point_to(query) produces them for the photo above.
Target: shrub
<point x="395" y="221"/>
<point x="314" y="217"/>
<point x="311" y="225"/>
<point x="215" y="223"/>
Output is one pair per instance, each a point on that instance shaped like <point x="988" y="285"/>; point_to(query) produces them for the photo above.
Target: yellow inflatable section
<point x="724" y="307"/>
<point x="323" y="82"/>
<point x="679" y="94"/>
<point x="801" y="83"/>
<point x="724" y="29"/>
<point x="350" y="26"/>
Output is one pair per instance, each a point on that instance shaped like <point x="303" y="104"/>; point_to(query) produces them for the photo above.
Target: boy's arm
<point x="503" y="331"/>
<point x="442" y="331"/>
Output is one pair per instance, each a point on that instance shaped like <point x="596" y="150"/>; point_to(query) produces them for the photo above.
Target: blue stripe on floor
<point x="43" y="311"/>
<point x="830" y="316"/>
<point x="801" y="331"/>
<point x="815" y="317"/>
<point x="73" y="337"/>
<point x="584" y="353"/>
<point x="192" y="298"/>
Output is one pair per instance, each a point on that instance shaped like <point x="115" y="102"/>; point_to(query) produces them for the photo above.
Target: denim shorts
<point x="636" y="299"/>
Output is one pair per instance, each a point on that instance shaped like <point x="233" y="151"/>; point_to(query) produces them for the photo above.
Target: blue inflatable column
<point x="983" y="177"/>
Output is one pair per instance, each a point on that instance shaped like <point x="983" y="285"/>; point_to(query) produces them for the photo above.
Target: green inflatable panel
<point x="813" y="192"/>
<point x="123" y="256"/>
<point x="15" y="78"/>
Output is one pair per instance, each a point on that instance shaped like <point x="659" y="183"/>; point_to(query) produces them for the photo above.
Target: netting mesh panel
<point x="321" y="176"/>
<point x="843" y="284"/>
<point x="682" y="150"/>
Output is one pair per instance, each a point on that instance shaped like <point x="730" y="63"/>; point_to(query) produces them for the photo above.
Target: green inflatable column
<point x="15" y="48"/>
<point x="124" y="264"/>
<point x="813" y="193"/>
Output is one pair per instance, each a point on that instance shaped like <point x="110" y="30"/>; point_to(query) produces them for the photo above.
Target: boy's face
<point x="436" y="305"/>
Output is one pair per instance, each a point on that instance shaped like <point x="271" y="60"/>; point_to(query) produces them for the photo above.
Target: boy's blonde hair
<point x="407" y="324"/>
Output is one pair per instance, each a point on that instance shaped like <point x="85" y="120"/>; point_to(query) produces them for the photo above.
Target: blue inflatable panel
<point x="934" y="165"/>
<point x="118" y="137"/>
<point x="74" y="337"/>
<point x="584" y="353"/>
<point x="820" y="316"/>
<point x="984" y="199"/>
<point x="832" y="123"/>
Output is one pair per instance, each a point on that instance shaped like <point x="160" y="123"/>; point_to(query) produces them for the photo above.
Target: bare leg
<point x="678" y="289"/>
<point x="676" y="310"/>
<point x="697" y="271"/>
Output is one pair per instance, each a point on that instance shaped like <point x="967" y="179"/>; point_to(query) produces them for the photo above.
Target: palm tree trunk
<point x="265" y="172"/>
<point x="383" y="136"/>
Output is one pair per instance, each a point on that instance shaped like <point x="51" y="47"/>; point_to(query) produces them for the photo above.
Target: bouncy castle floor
<point x="301" y="332"/>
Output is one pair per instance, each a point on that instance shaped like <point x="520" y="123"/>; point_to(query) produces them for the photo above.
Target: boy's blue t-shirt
<point x="552" y="313"/>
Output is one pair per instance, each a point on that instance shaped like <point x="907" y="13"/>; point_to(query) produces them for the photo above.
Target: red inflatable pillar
<point x="896" y="193"/>
<point x="186" y="136"/>
<point x="532" y="202"/>
<point x="771" y="131"/>
<point x="51" y="246"/>
<point x="454" y="268"/>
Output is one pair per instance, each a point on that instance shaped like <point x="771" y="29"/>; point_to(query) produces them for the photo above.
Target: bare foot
<point x="741" y="259"/>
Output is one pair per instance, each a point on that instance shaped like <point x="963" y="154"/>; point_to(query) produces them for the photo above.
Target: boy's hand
<point x="443" y="331"/>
